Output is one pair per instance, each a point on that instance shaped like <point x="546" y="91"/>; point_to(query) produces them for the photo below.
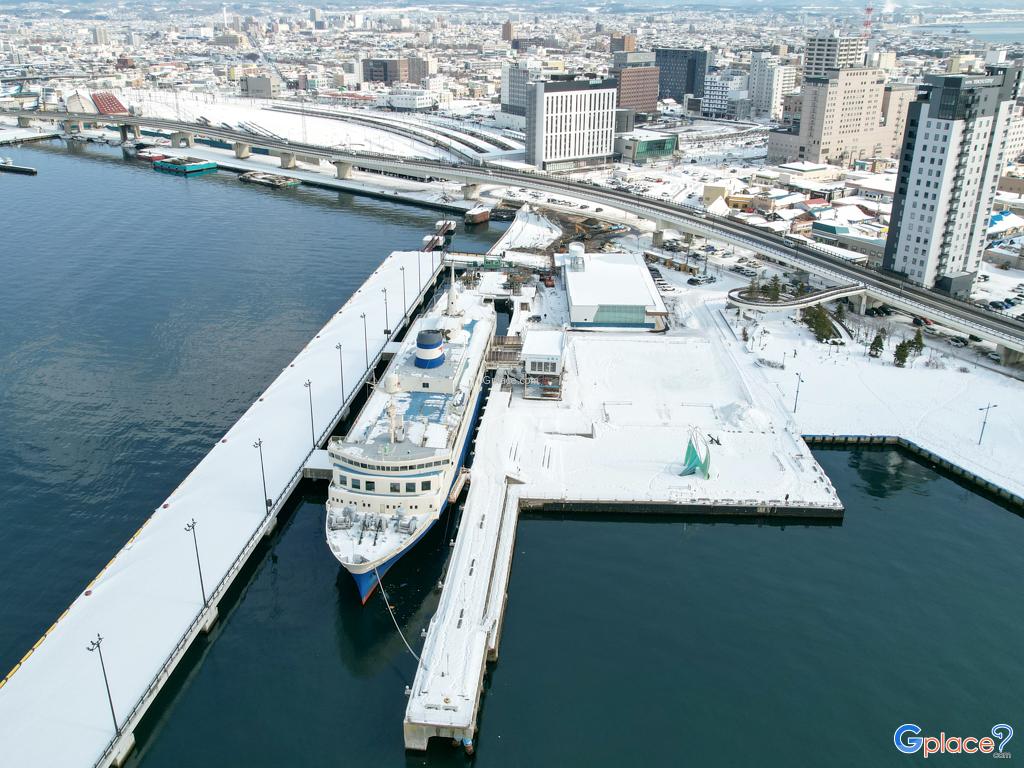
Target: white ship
<point x="393" y="471"/>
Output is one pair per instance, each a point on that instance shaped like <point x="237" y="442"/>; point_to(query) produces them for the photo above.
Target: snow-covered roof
<point x="613" y="278"/>
<point x="543" y="343"/>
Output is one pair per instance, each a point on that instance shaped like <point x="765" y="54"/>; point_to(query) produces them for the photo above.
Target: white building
<point x="570" y="123"/>
<point x="830" y="50"/>
<point x="953" y="153"/>
<point x="770" y="80"/>
<point x="610" y="290"/>
<point x="408" y="98"/>
<point x="719" y="90"/>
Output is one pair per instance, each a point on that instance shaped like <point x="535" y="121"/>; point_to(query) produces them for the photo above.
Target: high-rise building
<point x="622" y="43"/>
<point x="770" y="81"/>
<point x="637" y="78"/>
<point x="680" y="72"/>
<point x="953" y="152"/>
<point x="841" y="120"/>
<point x="508" y="30"/>
<point x="824" y="51"/>
<point x="515" y="76"/>
<point x="721" y="89"/>
<point x="421" y="68"/>
<point x="99" y="36"/>
<point x="570" y="123"/>
<point x="387" y="71"/>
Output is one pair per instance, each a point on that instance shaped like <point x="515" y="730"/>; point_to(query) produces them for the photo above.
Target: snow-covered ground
<point x="529" y="230"/>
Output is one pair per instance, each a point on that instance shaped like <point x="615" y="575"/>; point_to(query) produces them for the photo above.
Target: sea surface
<point x="145" y="313"/>
<point x="987" y="32"/>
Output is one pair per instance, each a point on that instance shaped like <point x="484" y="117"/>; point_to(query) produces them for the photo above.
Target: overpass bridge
<point x="737" y="298"/>
<point x="1006" y="332"/>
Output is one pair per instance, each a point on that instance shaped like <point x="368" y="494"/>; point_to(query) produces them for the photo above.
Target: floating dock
<point x="184" y="166"/>
<point x="148" y="603"/>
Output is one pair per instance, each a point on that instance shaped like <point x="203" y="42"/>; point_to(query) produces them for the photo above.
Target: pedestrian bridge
<point x="763" y="304"/>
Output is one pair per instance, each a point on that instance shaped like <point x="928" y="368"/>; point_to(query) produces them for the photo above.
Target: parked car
<point x="918" y="322"/>
<point x="995" y="356"/>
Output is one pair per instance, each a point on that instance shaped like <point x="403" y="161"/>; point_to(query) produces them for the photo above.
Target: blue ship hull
<point x="367" y="582"/>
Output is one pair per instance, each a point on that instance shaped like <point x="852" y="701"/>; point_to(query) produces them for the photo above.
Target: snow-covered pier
<point x="615" y="441"/>
<point x="151" y="601"/>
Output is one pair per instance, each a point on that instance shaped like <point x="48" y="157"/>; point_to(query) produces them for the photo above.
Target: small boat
<point x="477" y="215"/>
<point x="150" y="155"/>
<point x="184" y="166"/>
<point x="269" y="180"/>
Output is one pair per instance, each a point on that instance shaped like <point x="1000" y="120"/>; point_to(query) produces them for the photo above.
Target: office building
<point x="680" y="72"/>
<point x="99" y="36"/>
<point x="260" y="87"/>
<point x="508" y="31"/>
<point x="720" y="90"/>
<point x="953" y="153"/>
<point x="622" y="43"/>
<point x="387" y="71"/>
<point x="824" y="51"/>
<point x="570" y="123"/>
<point x="770" y="82"/>
<point x="637" y="78"/>
<point x="841" y="120"/>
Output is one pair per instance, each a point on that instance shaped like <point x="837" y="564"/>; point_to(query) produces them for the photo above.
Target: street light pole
<point x="263" y="474"/>
<point x="796" y="399"/>
<point x="366" y="344"/>
<point x="95" y="646"/>
<point x="387" y="320"/>
<point x="984" y="421"/>
<point x="341" y="369"/>
<point x="419" y="271"/>
<point x="312" y="430"/>
<point x="405" y="301"/>
<point x="191" y="528"/>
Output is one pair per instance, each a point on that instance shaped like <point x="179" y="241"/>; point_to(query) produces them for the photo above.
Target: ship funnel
<point x="429" y="349"/>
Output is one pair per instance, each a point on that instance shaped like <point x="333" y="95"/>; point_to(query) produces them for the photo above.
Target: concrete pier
<point x="146" y="603"/>
<point x="242" y="150"/>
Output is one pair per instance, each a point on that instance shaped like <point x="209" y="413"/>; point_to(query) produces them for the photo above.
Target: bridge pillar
<point x="242" y="150"/>
<point x="74" y="126"/>
<point x="344" y="170"/>
<point x="471" y="191"/>
<point x="24" y="122"/>
<point x="287" y="159"/>
<point x="658" y="238"/>
<point x="862" y="304"/>
<point x="1009" y="356"/>
<point x="180" y="138"/>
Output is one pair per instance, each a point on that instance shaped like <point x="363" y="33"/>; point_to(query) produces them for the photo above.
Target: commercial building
<point x="846" y="115"/>
<point x="680" y="72"/>
<point x="260" y="87"/>
<point x="770" y="82"/>
<point x="641" y="146"/>
<point x="637" y="78"/>
<point x="610" y="290"/>
<point x="570" y="123"/>
<point x="387" y="71"/>
<point x="953" y="153"/>
<point x="824" y="51"/>
<point x="624" y="43"/>
<point x="508" y="31"/>
<point x="515" y="76"/>
<point x="408" y="98"/>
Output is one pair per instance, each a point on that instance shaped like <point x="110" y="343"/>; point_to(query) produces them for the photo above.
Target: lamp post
<point x="419" y="271"/>
<point x="387" y="320"/>
<point x="366" y="344"/>
<point x="341" y="369"/>
<point x="796" y="399"/>
<point x="312" y="430"/>
<point x="984" y="421"/>
<point x="191" y="528"/>
<point x="95" y="646"/>
<point x="258" y="445"/>
<point x="405" y="302"/>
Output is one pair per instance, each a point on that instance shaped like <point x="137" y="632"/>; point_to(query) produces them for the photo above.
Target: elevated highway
<point x="738" y="298"/>
<point x="1006" y="332"/>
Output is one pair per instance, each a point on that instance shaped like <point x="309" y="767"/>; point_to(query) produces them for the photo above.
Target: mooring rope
<point x="387" y="602"/>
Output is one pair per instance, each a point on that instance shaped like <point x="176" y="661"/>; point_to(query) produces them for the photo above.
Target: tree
<point x="840" y="312"/>
<point x="901" y="354"/>
<point x="755" y="287"/>
<point x="774" y="288"/>
<point x="877" y="346"/>
<point x="918" y="341"/>
<point x="744" y="335"/>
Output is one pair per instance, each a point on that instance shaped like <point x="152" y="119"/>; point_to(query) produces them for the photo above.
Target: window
<point x="425" y="485"/>
<point x="370" y="485"/>
<point x="355" y="483"/>
<point x="426" y="385"/>
<point x="396" y="488"/>
<point x="410" y="487"/>
<point x="342" y="480"/>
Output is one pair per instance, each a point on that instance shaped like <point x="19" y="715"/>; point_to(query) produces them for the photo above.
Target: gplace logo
<point x="909" y="741"/>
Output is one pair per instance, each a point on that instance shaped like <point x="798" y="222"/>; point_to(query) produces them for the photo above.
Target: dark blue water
<point x="626" y="642"/>
<point x="140" y="315"/>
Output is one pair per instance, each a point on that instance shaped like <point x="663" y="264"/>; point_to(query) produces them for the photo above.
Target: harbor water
<point x="136" y="331"/>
